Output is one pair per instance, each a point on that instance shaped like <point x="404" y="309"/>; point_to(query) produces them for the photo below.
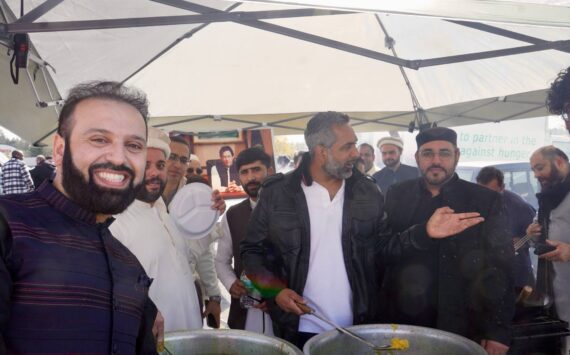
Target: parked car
<point x="519" y="177"/>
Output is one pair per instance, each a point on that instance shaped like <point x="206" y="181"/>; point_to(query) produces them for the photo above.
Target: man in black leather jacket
<point x="280" y="253"/>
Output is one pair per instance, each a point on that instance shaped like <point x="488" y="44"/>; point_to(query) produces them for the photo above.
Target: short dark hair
<point x="490" y="173"/>
<point x="319" y="129"/>
<point x="559" y="93"/>
<point x="368" y="146"/>
<point x="179" y="139"/>
<point x="251" y="155"/>
<point x="226" y="148"/>
<point x="109" y="90"/>
<point x="283" y="160"/>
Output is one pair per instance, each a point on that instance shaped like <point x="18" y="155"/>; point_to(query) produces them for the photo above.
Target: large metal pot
<point x="226" y="342"/>
<point x="424" y="341"/>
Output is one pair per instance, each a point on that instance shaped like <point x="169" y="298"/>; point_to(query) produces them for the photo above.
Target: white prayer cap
<point x="398" y="142"/>
<point x="158" y="139"/>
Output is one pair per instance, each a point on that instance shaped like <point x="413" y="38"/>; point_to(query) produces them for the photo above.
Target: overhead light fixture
<point x="20" y="56"/>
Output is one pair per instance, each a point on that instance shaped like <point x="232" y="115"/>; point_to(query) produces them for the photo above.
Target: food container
<point x="226" y="342"/>
<point x="422" y="341"/>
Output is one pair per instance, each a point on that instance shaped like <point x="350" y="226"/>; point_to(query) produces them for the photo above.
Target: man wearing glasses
<point x="461" y="281"/>
<point x="558" y="100"/>
<point x="176" y="168"/>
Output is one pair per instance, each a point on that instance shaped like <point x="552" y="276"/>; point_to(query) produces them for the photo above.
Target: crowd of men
<point x="92" y="261"/>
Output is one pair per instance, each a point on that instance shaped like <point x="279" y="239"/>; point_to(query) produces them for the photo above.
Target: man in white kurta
<point x="149" y="233"/>
<point x="203" y="261"/>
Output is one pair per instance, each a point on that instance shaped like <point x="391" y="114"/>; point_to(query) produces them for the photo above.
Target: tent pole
<point x="303" y="36"/>
<point x="502" y="32"/>
<point x="187" y="35"/>
<point x="39" y="11"/>
<point x="218" y="16"/>
<point x="420" y="115"/>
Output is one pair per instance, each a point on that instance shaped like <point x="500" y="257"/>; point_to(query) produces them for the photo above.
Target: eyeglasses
<point x="175" y="157"/>
<point x="565" y="110"/>
<point x="430" y="154"/>
<point x="191" y="171"/>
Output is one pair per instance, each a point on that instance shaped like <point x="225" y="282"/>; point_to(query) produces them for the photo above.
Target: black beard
<point x="252" y="188"/>
<point x="150" y="197"/>
<point x="553" y="180"/>
<point x="90" y="196"/>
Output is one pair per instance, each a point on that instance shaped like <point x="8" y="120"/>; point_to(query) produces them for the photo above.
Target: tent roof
<point x="260" y="64"/>
<point x="553" y="13"/>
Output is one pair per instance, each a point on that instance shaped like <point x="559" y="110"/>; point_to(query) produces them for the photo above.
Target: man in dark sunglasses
<point x="194" y="167"/>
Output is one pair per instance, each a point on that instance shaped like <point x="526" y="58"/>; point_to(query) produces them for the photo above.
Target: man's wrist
<point x="217" y="299"/>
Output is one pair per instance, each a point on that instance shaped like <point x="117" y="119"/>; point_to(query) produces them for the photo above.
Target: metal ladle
<point x="308" y="310"/>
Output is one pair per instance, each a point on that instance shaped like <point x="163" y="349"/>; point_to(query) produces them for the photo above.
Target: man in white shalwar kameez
<point x="149" y="233"/>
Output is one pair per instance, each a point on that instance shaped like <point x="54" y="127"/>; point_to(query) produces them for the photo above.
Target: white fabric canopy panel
<point x="534" y="12"/>
<point x="238" y="72"/>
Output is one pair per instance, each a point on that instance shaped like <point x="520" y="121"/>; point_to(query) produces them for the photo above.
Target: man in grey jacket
<point x="551" y="168"/>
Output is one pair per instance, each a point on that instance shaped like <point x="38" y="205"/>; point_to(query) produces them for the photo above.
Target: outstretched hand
<point x="445" y="223"/>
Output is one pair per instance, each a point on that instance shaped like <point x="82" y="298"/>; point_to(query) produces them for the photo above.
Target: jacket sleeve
<point x="5" y="279"/>
<point x="496" y="288"/>
<point x="394" y="246"/>
<point x="253" y="248"/>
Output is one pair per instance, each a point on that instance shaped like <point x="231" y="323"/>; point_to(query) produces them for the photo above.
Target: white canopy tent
<point x="216" y="65"/>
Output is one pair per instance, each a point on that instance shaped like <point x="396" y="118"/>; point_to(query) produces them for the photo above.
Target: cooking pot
<point x="422" y="341"/>
<point x="225" y="342"/>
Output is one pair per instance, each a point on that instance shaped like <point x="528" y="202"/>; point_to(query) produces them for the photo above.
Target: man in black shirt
<point x="459" y="281"/>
